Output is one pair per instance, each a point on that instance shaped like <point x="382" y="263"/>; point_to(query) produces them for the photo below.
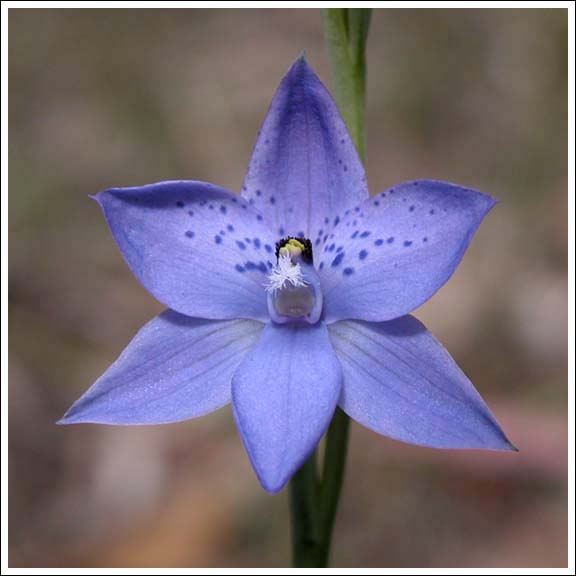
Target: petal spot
<point x="337" y="260"/>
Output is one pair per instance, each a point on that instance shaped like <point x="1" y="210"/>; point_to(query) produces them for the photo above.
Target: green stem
<point x="346" y="32"/>
<point x="314" y="501"/>
<point x="306" y="544"/>
<point x="332" y="477"/>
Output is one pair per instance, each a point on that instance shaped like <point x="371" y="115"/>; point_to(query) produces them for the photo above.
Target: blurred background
<point x="102" y="98"/>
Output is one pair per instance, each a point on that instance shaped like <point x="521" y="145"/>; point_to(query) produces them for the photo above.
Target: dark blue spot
<point x="365" y="234"/>
<point x="345" y="168"/>
<point x="268" y="248"/>
<point x="223" y="209"/>
<point x="202" y="202"/>
<point x="425" y="239"/>
<point x="411" y="209"/>
<point x="211" y="206"/>
<point x="258" y="192"/>
<point x="391" y="190"/>
<point x="251" y="201"/>
<point x="281" y="231"/>
<point x="259" y="217"/>
<point x="180" y="204"/>
<point x="354" y="222"/>
<point x="432" y="211"/>
<point x="347" y="212"/>
<point x="337" y="260"/>
<point x="257" y="242"/>
<point x="270" y="264"/>
<point x="326" y="220"/>
<point x="325" y="238"/>
<point x="342" y="141"/>
<point x="348" y="271"/>
<point x="222" y="233"/>
<point x="248" y="240"/>
<point x="331" y="247"/>
<point x="320" y="232"/>
<point x="407" y="242"/>
<point x="390" y="240"/>
<point x="218" y="239"/>
<point x="239" y="268"/>
<point x="266" y="141"/>
<point x="240" y="245"/>
<point x="272" y="200"/>
<point x="340" y="248"/>
<point x="415" y="183"/>
<point x="357" y="209"/>
<point x="244" y="188"/>
<point x="321" y="266"/>
<point x="250" y="265"/>
<point x="190" y="212"/>
<point x="378" y="242"/>
<point x="230" y="228"/>
<point x="235" y="200"/>
<point x="376" y="203"/>
<point x="354" y="235"/>
<point x="262" y="266"/>
<point x="336" y="220"/>
<point x="189" y="234"/>
<point x="317" y="241"/>
<point x="403" y="199"/>
<point x="300" y="234"/>
<point x="362" y="254"/>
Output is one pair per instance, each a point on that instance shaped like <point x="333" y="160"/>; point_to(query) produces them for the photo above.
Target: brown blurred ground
<point x="123" y="97"/>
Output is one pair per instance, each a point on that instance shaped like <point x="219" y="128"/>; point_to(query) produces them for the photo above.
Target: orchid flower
<point x="294" y="297"/>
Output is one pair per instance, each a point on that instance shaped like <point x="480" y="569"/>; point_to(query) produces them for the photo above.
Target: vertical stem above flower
<point x="346" y="33"/>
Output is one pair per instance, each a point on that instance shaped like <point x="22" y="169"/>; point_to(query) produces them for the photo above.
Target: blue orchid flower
<point x="293" y="298"/>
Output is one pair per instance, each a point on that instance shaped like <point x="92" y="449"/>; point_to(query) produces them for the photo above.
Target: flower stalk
<point x="314" y="500"/>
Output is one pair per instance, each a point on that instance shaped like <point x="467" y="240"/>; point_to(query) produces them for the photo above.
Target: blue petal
<point x="175" y="368"/>
<point x="283" y="395"/>
<point x="400" y="382"/>
<point x="192" y="245"/>
<point x="304" y="168"/>
<point x="398" y="249"/>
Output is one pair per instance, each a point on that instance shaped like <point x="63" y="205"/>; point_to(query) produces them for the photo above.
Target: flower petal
<point x="283" y="396"/>
<point x="175" y="368"/>
<point x="393" y="252"/>
<point x="304" y="168"/>
<point x="400" y="382"/>
<point x="196" y="247"/>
